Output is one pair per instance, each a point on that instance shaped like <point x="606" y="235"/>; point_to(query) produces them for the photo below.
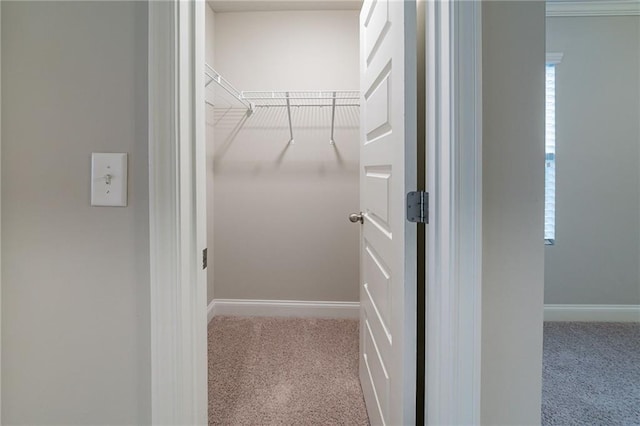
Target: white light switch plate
<point x="109" y="179"/>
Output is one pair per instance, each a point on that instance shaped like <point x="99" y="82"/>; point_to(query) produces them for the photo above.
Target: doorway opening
<point x="307" y="291"/>
<point x="282" y="107"/>
<point x="178" y="207"/>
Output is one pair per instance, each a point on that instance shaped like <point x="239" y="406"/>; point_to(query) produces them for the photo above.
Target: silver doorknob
<point x="356" y="217"/>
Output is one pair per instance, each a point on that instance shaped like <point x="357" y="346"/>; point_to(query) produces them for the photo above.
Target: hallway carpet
<point x="284" y="371"/>
<point x="591" y="374"/>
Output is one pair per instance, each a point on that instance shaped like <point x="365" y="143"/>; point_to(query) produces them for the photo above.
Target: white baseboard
<point x="592" y="313"/>
<point x="284" y="308"/>
<point x="211" y="310"/>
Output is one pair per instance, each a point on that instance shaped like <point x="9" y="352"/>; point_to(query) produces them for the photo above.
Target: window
<point x="550" y="150"/>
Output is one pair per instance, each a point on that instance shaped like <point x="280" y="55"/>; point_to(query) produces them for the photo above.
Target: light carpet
<point x="591" y="374"/>
<point x="284" y="371"/>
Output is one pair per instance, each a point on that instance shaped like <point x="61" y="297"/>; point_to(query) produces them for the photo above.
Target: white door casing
<point x="454" y="175"/>
<point x="199" y="297"/>
<point x="178" y="313"/>
<point x="0" y="223"/>
<point x="176" y="213"/>
<point x="388" y="170"/>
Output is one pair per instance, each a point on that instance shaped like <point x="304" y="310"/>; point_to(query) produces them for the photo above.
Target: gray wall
<point x="596" y="256"/>
<point x="280" y="215"/>
<point x="75" y="280"/>
<point x="513" y="193"/>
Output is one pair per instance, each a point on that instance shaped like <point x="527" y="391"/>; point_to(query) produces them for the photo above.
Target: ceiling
<point x="613" y="7"/>
<point x="269" y="5"/>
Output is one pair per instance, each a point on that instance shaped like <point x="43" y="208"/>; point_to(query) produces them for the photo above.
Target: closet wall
<point x="280" y="212"/>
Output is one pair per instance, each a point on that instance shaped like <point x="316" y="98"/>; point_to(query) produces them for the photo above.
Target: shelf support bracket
<point x="333" y="118"/>
<point x="291" y="141"/>
<point x="212" y="75"/>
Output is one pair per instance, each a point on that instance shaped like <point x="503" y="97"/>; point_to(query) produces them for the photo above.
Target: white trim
<point x="178" y="327"/>
<point x="162" y="214"/>
<point x="454" y="254"/>
<point x="592" y="313"/>
<point x="199" y="212"/>
<point x="211" y="311"/>
<point x="285" y="308"/>
<point x="593" y="8"/>
<point x="0" y="219"/>
<point x="554" y="58"/>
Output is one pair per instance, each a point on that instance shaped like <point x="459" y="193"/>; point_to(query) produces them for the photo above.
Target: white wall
<point x="596" y="256"/>
<point x="75" y="278"/>
<point x="513" y="192"/>
<point x="209" y="56"/>
<point x="280" y="215"/>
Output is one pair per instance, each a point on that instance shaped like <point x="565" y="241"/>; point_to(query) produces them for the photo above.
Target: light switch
<point x="109" y="179"/>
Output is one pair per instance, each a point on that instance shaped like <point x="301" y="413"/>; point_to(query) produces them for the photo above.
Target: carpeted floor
<point x="591" y="374"/>
<point x="282" y="371"/>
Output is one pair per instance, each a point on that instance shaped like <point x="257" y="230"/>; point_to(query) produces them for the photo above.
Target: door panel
<point x="377" y="373"/>
<point x="375" y="26"/>
<point x="377" y="195"/>
<point x="377" y="286"/>
<point x="387" y="172"/>
<point x="379" y="119"/>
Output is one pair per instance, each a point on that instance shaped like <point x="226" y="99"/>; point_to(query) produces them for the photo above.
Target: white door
<point x="388" y="241"/>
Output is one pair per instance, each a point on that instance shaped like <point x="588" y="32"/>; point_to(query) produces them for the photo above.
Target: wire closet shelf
<point x="287" y="99"/>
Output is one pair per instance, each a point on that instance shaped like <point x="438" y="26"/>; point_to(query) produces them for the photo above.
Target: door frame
<point x="0" y="213"/>
<point x="454" y="170"/>
<point x="177" y="291"/>
<point x="454" y="236"/>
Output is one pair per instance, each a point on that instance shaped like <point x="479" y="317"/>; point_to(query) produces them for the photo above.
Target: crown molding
<point x="593" y="8"/>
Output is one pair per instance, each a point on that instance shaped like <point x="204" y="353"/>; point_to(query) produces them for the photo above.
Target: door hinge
<point x="204" y="259"/>
<point x="418" y="207"/>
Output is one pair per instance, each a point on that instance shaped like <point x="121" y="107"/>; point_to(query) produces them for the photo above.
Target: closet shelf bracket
<point x="213" y="76"/>
<point x="291" y="140"/>
<point x="333" y="118"/>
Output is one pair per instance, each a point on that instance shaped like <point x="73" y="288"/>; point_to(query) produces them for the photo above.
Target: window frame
<point x="552" y="59"/>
